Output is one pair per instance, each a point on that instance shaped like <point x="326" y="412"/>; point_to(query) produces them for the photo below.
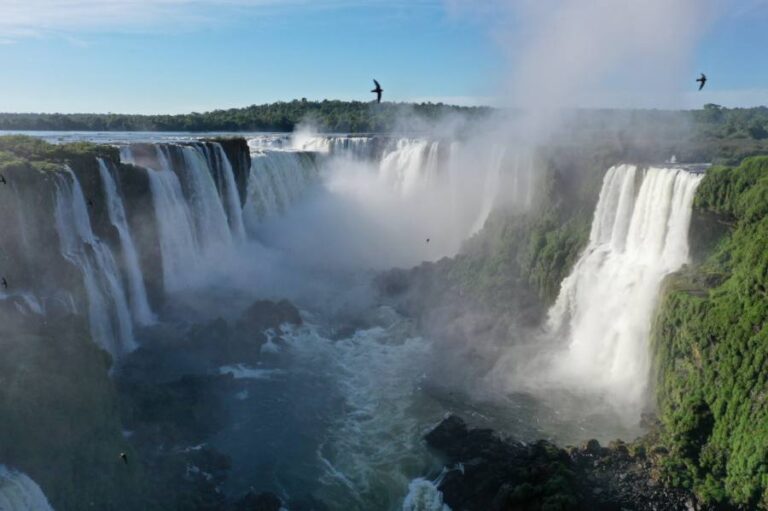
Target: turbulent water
<point x="639" y="234"/>
<point x="20" y="493"/>
<point x="342" y="416"/>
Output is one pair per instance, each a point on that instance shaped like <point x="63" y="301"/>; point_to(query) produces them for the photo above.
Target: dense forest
<point x="326" y="115"/>
<point x="745" y="128"/>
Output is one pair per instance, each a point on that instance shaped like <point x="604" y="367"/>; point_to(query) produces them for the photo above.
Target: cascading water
<point x="411" y="166"/>
<point x="20" y="493"/>
<point x="178" y="244"/>
<point x="142" y="313"/>
<point x="345" y="146"/>
<point x="606" y="304"/>
<point x="229" y="192"/>
<point x="206" y="206"/>
<point x="108" y="312"/>
<point x="277" y="179"/>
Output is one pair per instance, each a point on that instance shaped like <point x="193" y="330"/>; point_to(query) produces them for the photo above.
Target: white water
<point x="108" y="311"/>
<point x="230" y="194"/>
<point x="374" y="449"/>
<point x="178" y="243"/>
<point x="605" y="307"/>
<point x="205" y="204"/>
<point x="277" y="179"/>
<point x="423" y="495"/>
<point x="20" y="493"/>
<point x="411" y="166"/>
<point x="142" y="313"/>
<point x="347" y="146"/>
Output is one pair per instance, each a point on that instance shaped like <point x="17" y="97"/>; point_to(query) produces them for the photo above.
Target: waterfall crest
<point x="639" y="234"/>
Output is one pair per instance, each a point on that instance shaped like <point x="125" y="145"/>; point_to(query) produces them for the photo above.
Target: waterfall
<point x="207" y="210"/>
<point x="229" y="192"/>
<point x="20" y="493"/>
<point x="108" y="311"/>
<point x="357" y="147"/>
<point x="142" y="313"/>
<point x="277" y="179"/>
<point x="410" y="166"/>
<point x="178" y="244"/>
<point x="639" y="234"/>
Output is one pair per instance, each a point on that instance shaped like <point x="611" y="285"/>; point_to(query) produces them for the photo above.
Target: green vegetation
<point x="60" y="421"/>
<point x="328" y="116"/>
<point x="519" y="260"/>
<point x="20" y="150"/>
<point x="710" y="348"/>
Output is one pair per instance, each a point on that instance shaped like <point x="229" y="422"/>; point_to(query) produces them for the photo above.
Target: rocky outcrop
<point x="489" y="473"/>
<point x="264" y="314"/>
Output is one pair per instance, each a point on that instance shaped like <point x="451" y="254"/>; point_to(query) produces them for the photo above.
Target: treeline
<point x="326" y="115"/>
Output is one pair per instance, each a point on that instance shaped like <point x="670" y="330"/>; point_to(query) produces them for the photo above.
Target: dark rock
<point x="265" y="501"/>
<point x="503" y="475"/>
<point x="307" y="503"/>
<point x="264" y="314"/>
<point x="592" y="447"/>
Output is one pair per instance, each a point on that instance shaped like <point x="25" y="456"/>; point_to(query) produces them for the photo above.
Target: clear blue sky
<point x="173" y="56"/>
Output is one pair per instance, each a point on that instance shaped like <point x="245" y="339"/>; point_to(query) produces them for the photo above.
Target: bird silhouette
<point x="124" y="457"/>
<point x="2" y="179"/>
<point x="378" y="90"/>
<point x="702" y="80"/>
<point x="5" y="283"/>
<point x="427" y="240"/>
<point x="90" y="203"/>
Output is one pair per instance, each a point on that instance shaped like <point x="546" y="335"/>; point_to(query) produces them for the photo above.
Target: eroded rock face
<point x="489" y="473"/>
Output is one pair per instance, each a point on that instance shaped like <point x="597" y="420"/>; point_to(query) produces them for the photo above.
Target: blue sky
<point x="171" y="56"/>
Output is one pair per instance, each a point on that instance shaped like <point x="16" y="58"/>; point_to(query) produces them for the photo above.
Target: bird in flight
<point x="378" y="90"/>
<point x="2" y="179"/>
<point x="5" y="283"/>
<point x="702" y="80"/>
<point x="124" y="457"/>
<point x="90" y="203"/>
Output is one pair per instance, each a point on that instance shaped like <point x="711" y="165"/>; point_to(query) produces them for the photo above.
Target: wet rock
<point x="264" y="314"/>
<point x="502" y="475"/>
<point x="265" y="501"/>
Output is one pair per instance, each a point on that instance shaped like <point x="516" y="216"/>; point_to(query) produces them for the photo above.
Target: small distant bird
<point x="2" y="179"/>
<point x="702" y="80"/>
<point x="427" y="240"/>
<point x="90" y="203"/>
<point x="124" y="457"/>
<point x="5" y="283"/>
<point x="378" y="90"/>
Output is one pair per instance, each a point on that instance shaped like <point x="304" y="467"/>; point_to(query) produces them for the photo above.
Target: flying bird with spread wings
<point x="702" y="80"/>
<point x="378" y="90"/>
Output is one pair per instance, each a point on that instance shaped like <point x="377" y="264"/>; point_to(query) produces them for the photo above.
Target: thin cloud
<point x="34" y="18"/>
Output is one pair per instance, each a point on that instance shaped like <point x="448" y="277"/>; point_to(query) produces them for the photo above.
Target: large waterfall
<point x="178" y="242"/>
<point x="639" y="234"/>
<point x="205" y="203"/>
<point x="20" y="493"/>
<point x="138" y="292"/>
<point x="108" y="311"/>
<point x="277" y="179"/>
